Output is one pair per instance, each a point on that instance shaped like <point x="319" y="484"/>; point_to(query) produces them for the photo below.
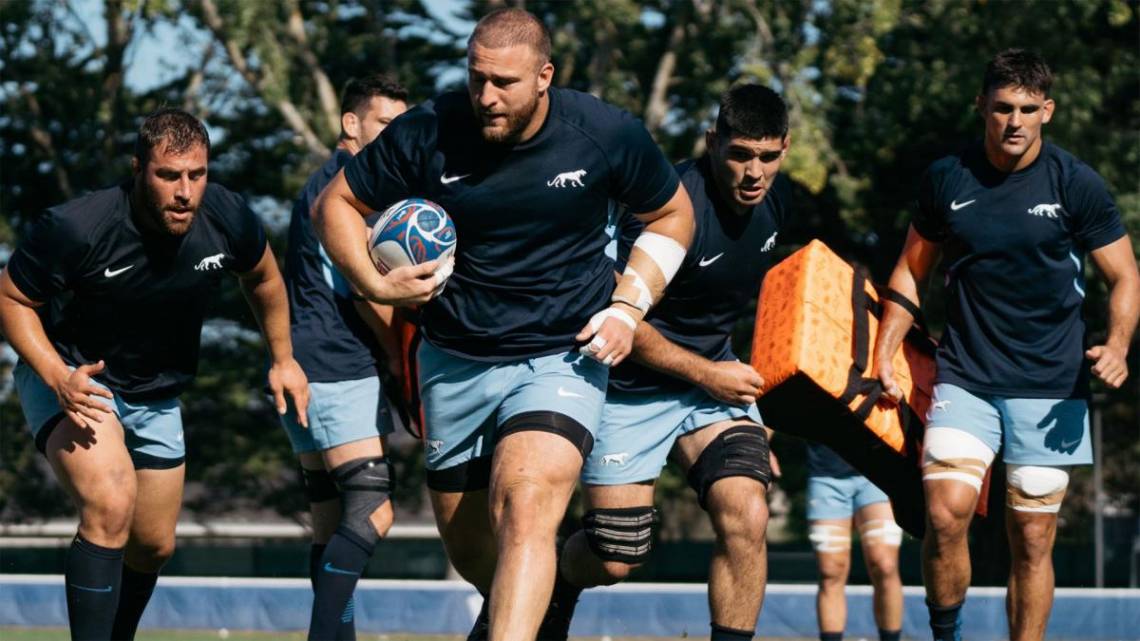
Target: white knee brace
<point x="956" y="455"/>
<point x="825" y="537"/>
<point x="881" y="532"/>
<point x="1036" y="488"/>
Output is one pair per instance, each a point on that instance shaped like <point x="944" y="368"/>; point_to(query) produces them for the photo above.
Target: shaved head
<point x="509" y="27"/>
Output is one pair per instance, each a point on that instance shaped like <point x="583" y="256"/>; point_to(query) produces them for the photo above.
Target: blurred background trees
<point x="877" y="91"/>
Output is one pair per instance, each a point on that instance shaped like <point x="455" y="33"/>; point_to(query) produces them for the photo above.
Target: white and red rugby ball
<point x="410" y="232"/>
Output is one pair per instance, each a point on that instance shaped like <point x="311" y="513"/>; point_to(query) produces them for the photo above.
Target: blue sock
<point x="946" y="621"/>
<point x="341" y="565"/>
<point x="92" y="578"/>
<point x="721" y="633"/>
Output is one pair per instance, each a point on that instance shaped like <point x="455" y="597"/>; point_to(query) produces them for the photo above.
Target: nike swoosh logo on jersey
<point x="447" y="180"/>
<point x="562" y="391"/>
<point x="705" y="262"/>
<point x="109" y="273"/>
<point x="955" y="205"/>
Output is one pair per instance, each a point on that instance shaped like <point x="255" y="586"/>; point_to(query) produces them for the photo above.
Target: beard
<point x="174" y="220"/>
<point x="509" y="129"/>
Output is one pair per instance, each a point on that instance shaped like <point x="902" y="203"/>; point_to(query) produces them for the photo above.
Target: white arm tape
<point x="666" y="252"/>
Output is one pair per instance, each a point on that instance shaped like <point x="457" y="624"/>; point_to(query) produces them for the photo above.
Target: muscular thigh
<point x="92" y="462"/>
<point x="157" y="505"/>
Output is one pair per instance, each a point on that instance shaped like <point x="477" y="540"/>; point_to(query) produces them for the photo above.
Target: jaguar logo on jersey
<point x="567" y="179"/>
<point x="209" y="263"/>
<point x="770" y="243"/>
<point x="1047" y="211"/>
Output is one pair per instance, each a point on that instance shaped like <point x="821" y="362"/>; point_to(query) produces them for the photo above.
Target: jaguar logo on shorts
<point x="615" y="459"/>
<point x="941" y="405"/>
<point x="435" y="446"/>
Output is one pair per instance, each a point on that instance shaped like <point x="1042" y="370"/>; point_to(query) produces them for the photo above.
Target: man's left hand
<point x="1109" y="365"/>
<point x="610" y="336"/>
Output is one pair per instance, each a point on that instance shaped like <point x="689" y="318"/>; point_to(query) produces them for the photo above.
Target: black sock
<point x="316" y="551"/>
<point x="831" y="636"/>
<point x="134" y="594"/>
<point x="342" y="563"/>
<point x="347" y="629"/>
<point x="721" y="633"/>
<point x="945" y="621"/>
<point x="555" y="624"/>
<point x="93" y="577"/>
<point x="482" y="625"/>
<point x="889" y="635"/>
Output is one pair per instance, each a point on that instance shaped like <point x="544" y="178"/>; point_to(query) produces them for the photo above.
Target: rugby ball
<point x="411" y="232"/>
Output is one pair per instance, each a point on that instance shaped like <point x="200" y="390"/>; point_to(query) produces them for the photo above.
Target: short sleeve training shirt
<point x="133" y="298"/>
<point x="722" y="271"/>
<point x="530" y="266"/>
<point x="1014" y="247"/>
<point x="331" y="341"/>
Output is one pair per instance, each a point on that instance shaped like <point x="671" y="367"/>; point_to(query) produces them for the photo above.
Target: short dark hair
<point x="179" y="130"/>
<point x="360" y="90"/>
<point x="752" y="111"/>
<point x="510" y="27"/>
<point x="1018" y="68"/>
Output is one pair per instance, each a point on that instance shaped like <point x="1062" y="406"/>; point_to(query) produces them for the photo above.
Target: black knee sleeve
<point x="319" y="485"/>
<point x="738" y="451"/>
<point x="364" y="485"/>
<point x="621" y="534"/>
<point x="554" y="423"/>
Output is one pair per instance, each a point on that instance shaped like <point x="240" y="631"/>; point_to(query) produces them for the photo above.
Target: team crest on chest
<point x="567" y="179"/>
<point x="210" y="263"/>
<point x="1045" y="210"/>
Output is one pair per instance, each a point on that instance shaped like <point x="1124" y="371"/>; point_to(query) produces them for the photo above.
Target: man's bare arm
<point x="1117" y="264"/>
<point x="913" y="268"/>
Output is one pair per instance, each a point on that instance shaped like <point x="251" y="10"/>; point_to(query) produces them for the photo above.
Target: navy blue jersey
<point x="1014" y="247"/>
<point x="137" y="298"/>
<point x="721" y="273"/>
<point x="331" y="341"/>
<point x="530" y="265"/>
<point x="823" y="461"/>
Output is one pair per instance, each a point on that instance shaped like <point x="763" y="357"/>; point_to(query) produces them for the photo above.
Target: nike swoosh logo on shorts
<point x="329" y="567"/>
<point x="87" y="589"/>
<point x="109" y="273"/>
<point x="562" y="391"/>
<point x="1067" y="444"/>
<point x="705" y="262"/>
<point x="447" y="180"/>
<point x="955" y="205"/>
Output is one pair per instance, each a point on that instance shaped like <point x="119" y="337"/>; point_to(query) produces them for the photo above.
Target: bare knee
<point x="882" y="564"/>
<point x="948" y="518"/>
<point x="150" y="556"/>
<point x="106" y="521"/>
<point x="833" y="569"/>
<point x="521" y="507"/>
<point x="741" y="520"/>
<point x="1031" y="538"/>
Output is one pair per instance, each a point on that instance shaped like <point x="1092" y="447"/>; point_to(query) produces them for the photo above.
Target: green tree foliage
<point x="877" y="90"/>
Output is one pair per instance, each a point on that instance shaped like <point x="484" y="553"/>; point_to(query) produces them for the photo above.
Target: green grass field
<point x="59" y="634"/>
